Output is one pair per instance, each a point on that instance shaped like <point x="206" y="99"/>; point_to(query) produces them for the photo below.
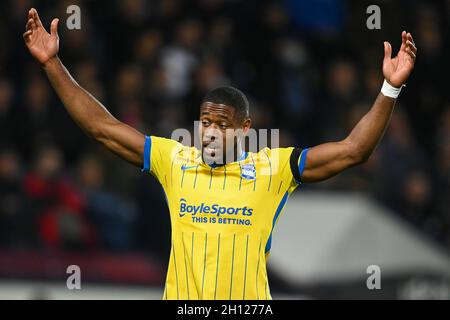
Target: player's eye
<point x="223" y="126"/>
<point x="205" y="123"/>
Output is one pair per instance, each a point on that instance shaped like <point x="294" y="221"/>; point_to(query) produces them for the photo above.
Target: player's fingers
<point x="36" y="18"/>
<point x="30" y="14"/>
<point x="387" y="51"/>
<point x="27" y="35"/>
<point x="411" y="46"/>
<point x="403" y="46"/>
<point x="410" y="37"/>
<point x="411" y="53"/>
<point x="54" y="27"/>
<point x="29" y="25"/>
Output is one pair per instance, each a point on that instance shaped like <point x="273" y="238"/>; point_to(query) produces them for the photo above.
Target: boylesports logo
<point x="214" y="209"/>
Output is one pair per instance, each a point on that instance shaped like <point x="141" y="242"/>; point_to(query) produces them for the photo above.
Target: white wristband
<point x="389" y="91"/>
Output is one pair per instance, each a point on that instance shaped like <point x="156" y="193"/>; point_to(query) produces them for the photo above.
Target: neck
<point x="240" y="153"/>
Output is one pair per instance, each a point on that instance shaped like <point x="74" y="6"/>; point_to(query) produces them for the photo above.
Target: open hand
<point x="397" y="70"/>
<point x="41" y="44"/>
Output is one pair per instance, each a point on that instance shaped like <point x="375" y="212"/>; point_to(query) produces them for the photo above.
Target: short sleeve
<point x="288" y="164"/>
<point x="158" y="155"/>
<point x="279" y="164"/>
<point x="297" y="163"/>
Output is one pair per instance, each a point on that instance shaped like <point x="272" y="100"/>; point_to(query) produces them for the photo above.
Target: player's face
<point x="220" y="127"/>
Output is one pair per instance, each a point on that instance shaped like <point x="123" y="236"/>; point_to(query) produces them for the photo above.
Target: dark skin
<point x="323" y="161"/>
<point x="218" y="123"/>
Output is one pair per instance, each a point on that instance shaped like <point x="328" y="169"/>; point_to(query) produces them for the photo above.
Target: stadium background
<point x="310" y="68"/>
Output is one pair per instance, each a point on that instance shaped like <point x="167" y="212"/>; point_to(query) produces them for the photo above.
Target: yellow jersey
<point x="222" y="217"/>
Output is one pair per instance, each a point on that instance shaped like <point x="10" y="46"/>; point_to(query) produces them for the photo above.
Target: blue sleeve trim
<point x="275" y="218"/>
<point x="147" y="152"/>
<point x="301" y="166"/>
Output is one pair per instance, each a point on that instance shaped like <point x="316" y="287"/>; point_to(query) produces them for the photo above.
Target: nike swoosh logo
<point x="183" y="167"/>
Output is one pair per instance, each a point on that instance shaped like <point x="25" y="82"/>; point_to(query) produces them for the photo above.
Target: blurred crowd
<point x="310" y="68"/>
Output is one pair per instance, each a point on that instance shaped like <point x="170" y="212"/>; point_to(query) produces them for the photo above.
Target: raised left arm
<point x="328" y="159"/>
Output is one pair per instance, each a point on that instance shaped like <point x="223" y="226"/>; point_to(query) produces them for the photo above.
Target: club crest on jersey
<point x="248" y="172"/>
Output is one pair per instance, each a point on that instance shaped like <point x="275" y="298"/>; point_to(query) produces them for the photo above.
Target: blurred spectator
<point x="443" y="171"/>
<point x="181" y="58"/>
<point x="33" y="122"/>
<point x="112" y="216"/>
<point x="6" y="101"/>
<point x="58" y="207"/>
<point x="400" y="157"/>
<point x="16" y="225"/>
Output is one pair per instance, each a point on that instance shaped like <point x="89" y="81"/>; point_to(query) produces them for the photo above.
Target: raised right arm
<point x="85" y="110"/>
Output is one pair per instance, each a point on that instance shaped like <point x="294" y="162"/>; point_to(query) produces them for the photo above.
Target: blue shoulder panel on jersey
<point x="302" y="162"/>
<point x="147" y="150"/>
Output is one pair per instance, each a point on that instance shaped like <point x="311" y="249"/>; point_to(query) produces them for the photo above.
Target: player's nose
<point x="211" y="134"/>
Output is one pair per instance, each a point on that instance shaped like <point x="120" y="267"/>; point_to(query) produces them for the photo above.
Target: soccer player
<point x="222" y="210"/>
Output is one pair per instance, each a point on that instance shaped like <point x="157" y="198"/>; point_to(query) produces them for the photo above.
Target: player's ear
<point x="246" y="125"/>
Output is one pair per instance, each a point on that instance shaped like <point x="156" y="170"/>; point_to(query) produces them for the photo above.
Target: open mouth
<point x="210" y="149"/>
